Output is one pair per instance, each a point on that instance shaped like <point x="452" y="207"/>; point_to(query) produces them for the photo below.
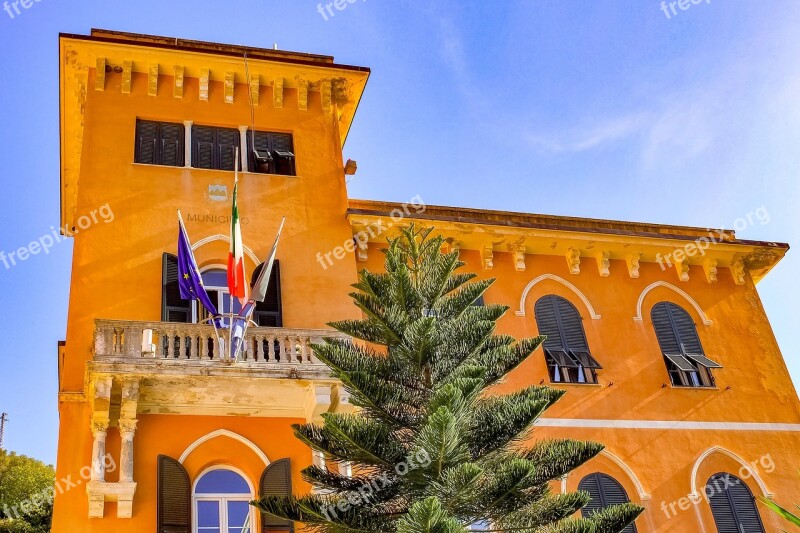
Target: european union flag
<point x="189" y="280"/>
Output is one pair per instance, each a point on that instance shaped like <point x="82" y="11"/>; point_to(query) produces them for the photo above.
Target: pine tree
<point x="433" y="448"/>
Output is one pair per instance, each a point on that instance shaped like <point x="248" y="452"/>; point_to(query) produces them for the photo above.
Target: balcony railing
<point x="172" y="341"/>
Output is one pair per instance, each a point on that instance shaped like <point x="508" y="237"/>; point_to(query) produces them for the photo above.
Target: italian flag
<point x="237" y="284"/>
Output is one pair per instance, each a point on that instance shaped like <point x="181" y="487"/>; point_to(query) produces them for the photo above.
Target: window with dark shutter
<point x="174" y="497"/>
<point x="276" y="481"/>
<point x="604" y="491"/>
<point x="733" y="505"/>
<point x="566" y="350"/>
<point x="268" y="313"/>
<point x="683" y="353"/>
<point x="215" y="148"/>
<point x="271" y="153"/>
<point x="173" y="308"/>
<point x="159" y="143"/>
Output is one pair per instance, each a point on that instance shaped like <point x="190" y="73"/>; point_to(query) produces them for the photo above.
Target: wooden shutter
<point x="605" y="491"/>
<point x="685" y="330"/>
<point x="276" y="481"/>
<point x="269" y="313"/>
<point x="174" y="497"/>
<point x="662" y="323"/>
<point x="146" y="150"/>
<point x="173" y="308"/>
<point x="260" y="143"/>
<point x="171" y="146"/>
<point x="227" y="144"/>
<point x="203" y="147"/>
<point x="733" y="505"/>
<point x="571" y="325"/>
<point x="547" y="321"/>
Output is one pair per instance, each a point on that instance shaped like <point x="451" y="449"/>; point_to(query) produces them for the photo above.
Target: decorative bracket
<point x="682" y="268"/>
<point x="574" y="261"/>
<point x="604" y="264"/>
<point x="487" y="257"/>
<point x="633" y="265"/>
<point x="710" y="268"/>
<point x="177" y="89"/>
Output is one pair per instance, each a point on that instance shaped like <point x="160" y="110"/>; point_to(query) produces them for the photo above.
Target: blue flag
<point x="189" y="280"/>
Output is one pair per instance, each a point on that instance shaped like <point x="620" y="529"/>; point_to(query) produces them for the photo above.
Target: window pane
<point x="238" y="513"/>
<point x="222" y="482"/>
<point x="215" y="278"/>
<point x="208" y="514"/>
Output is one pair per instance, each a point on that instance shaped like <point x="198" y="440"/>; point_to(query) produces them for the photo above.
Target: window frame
<point x="222" y="499"/>
<point x="603" y="496"/>
<point x="274" y="153"/>
<point x="158" y="150"/>
<point x="736" y="510"/>
<point x="216" y="162"/>
<point x="563" y="363"/>
<point x="699" y="376"/>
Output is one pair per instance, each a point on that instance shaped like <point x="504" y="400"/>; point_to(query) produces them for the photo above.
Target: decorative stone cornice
<point x="604" y="263"/>
<point x="177" y="87"/>
<point x="574" y="261"/>
<point x="710" y="268"/>
<point x="277" y="92"/>
<point x="633" y="265"/>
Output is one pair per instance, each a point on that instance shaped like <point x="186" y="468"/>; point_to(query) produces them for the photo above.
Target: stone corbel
<point x="633" y="265"/>
<point x="152" y="80"/>
<point x="682" y="268"/>
<point x="738" y="272"/>
<point x="574" y="261"/>
<point x="255" y="88"/>
<point x="710" y="268"/>
<point x="361" y="243"/>
<point x="205" y="74"/>
<point x="230" y="85"/>
<point x="100" y="74"/>
<point x="519" y="259"/>
<point x="177" y="88"/>
<point x="302" y="94"/>
<point x="487" y="257"/>
<point x="604" y="264"/>
<point x="127" y="68"/>
<point x="327" y="95"/>
<point x="277" y="93"/>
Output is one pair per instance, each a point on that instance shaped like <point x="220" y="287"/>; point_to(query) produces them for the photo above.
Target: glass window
<point x="222" y="503"/>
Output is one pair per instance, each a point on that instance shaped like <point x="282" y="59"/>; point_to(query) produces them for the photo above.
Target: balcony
<point x="182" y="369"/>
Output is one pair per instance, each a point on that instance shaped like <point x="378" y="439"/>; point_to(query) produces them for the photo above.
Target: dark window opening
<point x="215" y="148"/>
<point x="271" y="153"/>
<point x="268" y="313"/>
<point x="566" y="350"/>
<point x="733" y="505"/>
<point x="683" y="353"/>
<point x="159" y="143"/>
<point x="605" y="491"/>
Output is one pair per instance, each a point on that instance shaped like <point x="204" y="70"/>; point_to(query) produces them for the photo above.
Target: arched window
<point x="221" y="501"/>
<point x="733" y="505"/>
<point x="605" y="491"/>
<point x="566" y="349"/>
<point x="683" y="354"/>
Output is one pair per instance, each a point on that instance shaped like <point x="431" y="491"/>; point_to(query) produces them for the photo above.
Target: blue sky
<point x="603" y="108"/>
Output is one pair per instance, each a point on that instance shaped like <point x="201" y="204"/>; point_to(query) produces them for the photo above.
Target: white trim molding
<point x="225" y="238"/>
<point x="562" y="281"/>
<point x="665" y="424"/>
<point x="638" y="317"/>
<point x="719" y="449"/>
<point x="643" y="494"/>
<point x="224" y="433"/>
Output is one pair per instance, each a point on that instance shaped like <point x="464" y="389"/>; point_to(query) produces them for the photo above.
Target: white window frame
<point x="222" y="500"/>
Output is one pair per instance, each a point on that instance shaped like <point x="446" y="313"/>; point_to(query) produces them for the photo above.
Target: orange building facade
<point x="657" y="332"/>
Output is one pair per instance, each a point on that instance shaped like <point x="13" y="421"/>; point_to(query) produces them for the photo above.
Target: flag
<point x="189" y="281"/>
<point x="261" y="284"/>
<point x="237" y="285"/>
<point x="239" y="328"/>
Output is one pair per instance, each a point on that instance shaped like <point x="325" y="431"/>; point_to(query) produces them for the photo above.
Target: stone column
<point x="243" y="150"/>
<point x="127" y="429"/>
<point x="187" y="143"/>
<point x="98" y="468"/>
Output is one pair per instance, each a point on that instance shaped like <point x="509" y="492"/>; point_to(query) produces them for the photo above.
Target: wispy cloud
<point x="593" y="136"/>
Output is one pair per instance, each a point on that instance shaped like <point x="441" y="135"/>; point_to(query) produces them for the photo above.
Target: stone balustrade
<point x="173" y="341"/>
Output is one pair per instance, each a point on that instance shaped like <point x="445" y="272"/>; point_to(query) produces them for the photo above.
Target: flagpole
<point x="230" y="319"/>
<point x="213" y="319"/>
